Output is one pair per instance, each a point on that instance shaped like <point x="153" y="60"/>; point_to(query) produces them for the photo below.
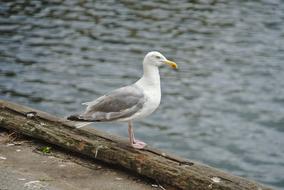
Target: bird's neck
<point x="151" y="76"/>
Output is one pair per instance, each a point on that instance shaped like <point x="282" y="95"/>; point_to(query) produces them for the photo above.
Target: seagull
<point x="131" y="102"/>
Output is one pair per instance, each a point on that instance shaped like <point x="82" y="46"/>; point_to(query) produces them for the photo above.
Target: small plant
<point x="46" y="150"/>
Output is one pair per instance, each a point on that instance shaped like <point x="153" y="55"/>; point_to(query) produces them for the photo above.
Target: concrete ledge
<point x="23" y="166"/>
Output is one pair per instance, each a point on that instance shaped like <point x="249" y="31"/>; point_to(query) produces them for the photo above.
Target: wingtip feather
<point x="74" y="117"/>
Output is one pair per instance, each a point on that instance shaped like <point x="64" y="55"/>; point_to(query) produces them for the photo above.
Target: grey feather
<point x="118" y="104"/>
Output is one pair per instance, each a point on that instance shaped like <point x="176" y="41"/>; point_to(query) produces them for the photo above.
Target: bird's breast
<point x="152" y="101"/>
<point x="153" y="96"/>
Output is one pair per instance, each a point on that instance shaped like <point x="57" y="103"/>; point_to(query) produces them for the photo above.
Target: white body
<point x="149" y="93"/>
<point x="148" y="96"/>
<point x="150" y="84"/>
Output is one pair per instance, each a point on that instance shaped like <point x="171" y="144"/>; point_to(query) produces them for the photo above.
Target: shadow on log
<point x="162" y="167"/>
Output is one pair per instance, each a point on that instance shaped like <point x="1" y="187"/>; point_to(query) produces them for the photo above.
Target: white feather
<point x="82" y="124"/>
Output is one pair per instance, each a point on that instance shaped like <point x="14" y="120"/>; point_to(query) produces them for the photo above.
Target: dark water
<point x="225" y="107"/>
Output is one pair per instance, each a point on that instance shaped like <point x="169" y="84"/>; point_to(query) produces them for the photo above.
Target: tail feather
<point x="78" y="117"/>
<point x="75" y="117"/>
<point x="82" y="124"/>
<point x="80" y="120"/>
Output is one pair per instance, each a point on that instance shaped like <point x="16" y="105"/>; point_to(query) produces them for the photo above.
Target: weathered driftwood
<point x="162" y="167"/>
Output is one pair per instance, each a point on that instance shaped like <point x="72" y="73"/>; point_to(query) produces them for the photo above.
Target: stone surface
<point x="24" y="167"/>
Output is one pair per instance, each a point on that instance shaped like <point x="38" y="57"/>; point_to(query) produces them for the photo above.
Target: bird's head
<point x="157" y="59"/>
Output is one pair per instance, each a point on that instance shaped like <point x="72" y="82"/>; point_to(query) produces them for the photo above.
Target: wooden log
<point x="160" y="166"/>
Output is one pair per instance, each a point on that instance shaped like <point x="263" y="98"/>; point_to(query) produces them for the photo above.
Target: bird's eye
<point x="158" y="57"/>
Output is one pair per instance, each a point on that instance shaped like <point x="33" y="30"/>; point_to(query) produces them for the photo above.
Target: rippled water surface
<point x="225" y="107"/>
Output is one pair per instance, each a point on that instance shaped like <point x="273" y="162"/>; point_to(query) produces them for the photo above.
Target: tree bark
<point x="160" y="166"/>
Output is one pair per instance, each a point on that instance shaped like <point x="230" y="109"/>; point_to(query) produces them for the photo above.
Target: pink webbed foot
<point x="133" y="142"/>
<point x="138" y="144"/>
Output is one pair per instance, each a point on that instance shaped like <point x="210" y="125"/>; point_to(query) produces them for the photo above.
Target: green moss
<point x="45" y="150"/>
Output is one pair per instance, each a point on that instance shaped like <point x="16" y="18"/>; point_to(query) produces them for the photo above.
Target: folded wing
<point x="118" y="104"/>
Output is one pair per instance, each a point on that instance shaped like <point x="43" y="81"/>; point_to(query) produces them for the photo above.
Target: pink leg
<point x="133" y="142"/>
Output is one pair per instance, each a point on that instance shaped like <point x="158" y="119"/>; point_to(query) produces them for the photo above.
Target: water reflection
<point x="224" y="107"/>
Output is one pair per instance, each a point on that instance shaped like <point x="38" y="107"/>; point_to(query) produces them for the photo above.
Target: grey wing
<point x="118" y="104"/>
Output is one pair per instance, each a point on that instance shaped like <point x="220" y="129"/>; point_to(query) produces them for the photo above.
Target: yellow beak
<point x="171" y="63"/>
